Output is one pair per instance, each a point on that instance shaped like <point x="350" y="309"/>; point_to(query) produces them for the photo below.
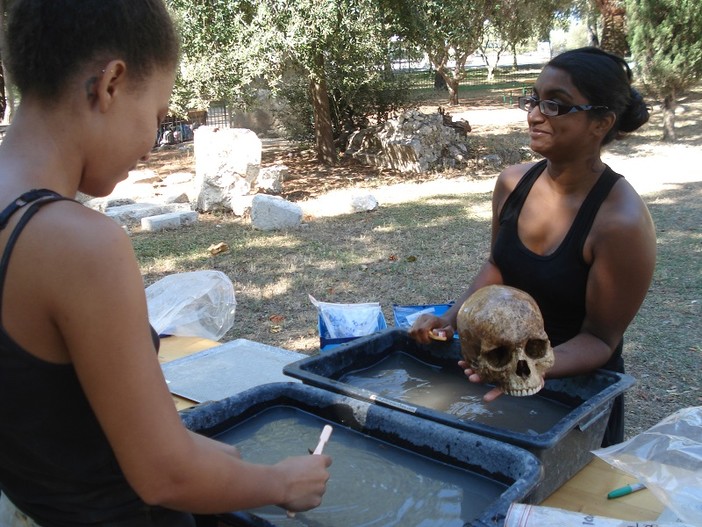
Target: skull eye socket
<point x="536" y="348"/>
<point x="498" y="357"/>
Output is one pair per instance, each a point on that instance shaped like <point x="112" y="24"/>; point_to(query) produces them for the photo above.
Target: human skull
<point x="503" y="339"/>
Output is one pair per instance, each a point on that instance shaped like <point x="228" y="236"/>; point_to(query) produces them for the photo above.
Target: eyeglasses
<point x="552" y="108"/>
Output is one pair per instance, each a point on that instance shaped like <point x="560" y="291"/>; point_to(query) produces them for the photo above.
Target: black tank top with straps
<point x="56" y="464"/>
<point x="557" y="281"/>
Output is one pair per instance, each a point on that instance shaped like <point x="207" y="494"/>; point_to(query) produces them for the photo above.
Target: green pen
<point x="626" y="489"/>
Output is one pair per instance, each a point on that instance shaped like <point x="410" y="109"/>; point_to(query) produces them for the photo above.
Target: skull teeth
<point x="524" y="391"/>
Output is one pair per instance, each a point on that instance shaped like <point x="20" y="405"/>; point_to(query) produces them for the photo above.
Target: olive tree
<point x="448" y="31"/>
<point x="513" y="22"/>
<point x="231" y="45"/>
<point x="339" y="45"/>
<point x="216" y="64"/>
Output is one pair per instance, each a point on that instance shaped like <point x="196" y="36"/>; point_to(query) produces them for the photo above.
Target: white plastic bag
<point x="194" y="304"/>
<point x="350" y="320"/>
<point x="667" y="458"/>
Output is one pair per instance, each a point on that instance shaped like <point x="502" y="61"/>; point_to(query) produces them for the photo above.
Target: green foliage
<point x="514" y="21"/>
<point x="215" y="63"/>
<point x="444" y="29"/>
<point x="666" y="41"/>
<point x="229" y="44"/>
<point x="231" y="47"/>
<point x="295" y="116"/>
<point x="450" y="31"/>
<point x="352" y="106"/>
<point x="377" y="99"/>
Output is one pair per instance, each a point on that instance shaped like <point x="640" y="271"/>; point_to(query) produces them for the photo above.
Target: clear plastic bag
<point x="667" y="458"/>
<point x="522" y="515"/>
<point x="194" y="304"/>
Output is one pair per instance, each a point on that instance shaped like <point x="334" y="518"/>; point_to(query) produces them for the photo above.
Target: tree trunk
<point x="613" y="27"/>
<point x="490" y="66"/>
<point x="323" y="130"/>
<point x="452" y="85"/>
<point x="669" y="105"/>
<point x="7" y="93"/>
<point x="592" y="39"/>
<point x="439" y="82"/>
<point x="2" y="93"/>
<point x="490" y="72"/>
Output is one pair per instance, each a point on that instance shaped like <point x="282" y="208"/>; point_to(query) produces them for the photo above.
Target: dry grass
<point x="429" y="237"/>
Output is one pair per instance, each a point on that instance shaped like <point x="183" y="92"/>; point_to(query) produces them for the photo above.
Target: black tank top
<point x="556" y="281"/>
<point x="56" y="464"/>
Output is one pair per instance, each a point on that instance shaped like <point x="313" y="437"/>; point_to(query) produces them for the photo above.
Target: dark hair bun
<point x="635" y="114"/>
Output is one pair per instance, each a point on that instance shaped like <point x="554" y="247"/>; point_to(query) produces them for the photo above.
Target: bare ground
<point x="429" y="236"/>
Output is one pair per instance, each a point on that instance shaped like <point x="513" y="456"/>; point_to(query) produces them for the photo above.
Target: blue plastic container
<point x="513" y="469"/>
<point x="404" y="315"/>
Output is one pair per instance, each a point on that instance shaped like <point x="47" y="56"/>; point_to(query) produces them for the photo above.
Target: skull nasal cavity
<point x="523" y="370"/>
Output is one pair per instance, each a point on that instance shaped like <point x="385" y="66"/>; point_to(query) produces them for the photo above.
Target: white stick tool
<point x="323" y="439"/>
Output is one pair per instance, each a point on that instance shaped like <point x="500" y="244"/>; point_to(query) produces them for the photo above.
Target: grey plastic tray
<point x="515" y="469"/>
<point x="563" y="450"/>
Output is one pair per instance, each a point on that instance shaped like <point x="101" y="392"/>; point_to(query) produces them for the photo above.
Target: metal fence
<point x="218" y="115"/>
<point x="477" y="78"/>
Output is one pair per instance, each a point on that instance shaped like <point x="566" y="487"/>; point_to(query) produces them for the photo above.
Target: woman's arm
<point x="622" y="251"/>
<point x="100" y="311"/>
<point x="489" y="273"/>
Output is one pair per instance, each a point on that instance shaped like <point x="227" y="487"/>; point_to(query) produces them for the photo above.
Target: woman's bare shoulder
<point x="510" y="176"/>
<point x="68" y="232"/>
<point x="624" y="219"/>
<point x="625" y="207"/>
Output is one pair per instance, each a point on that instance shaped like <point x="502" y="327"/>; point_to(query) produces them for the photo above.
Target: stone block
<point x="241" y="205"/>
<point x="227" y="161"/>
<point x="169" y="221"/>
<point x="274" y="213"/>
<point x="270" y="179"/>
<point x="103" y="204"/>
<point x="132" y="214"/>
<point x="364" y="203"/>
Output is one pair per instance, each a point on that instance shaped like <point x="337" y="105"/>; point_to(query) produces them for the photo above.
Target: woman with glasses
<point x="568" y="230"/>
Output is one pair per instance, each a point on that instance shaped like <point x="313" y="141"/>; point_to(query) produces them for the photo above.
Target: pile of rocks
<point x="414" y="142"/>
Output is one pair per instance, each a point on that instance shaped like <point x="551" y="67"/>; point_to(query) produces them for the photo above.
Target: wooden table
<point x="585" y="492"/>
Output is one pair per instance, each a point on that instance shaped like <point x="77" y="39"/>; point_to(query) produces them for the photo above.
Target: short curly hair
<point x="50" y="41"/>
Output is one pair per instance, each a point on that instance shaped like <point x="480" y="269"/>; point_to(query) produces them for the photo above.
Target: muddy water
<point x="372" y="483"/>
<point x="402" y="377"/>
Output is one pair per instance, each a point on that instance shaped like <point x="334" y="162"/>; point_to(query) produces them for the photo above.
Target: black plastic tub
<point x="563" y="449"/>
<point x="510" y="473"/>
